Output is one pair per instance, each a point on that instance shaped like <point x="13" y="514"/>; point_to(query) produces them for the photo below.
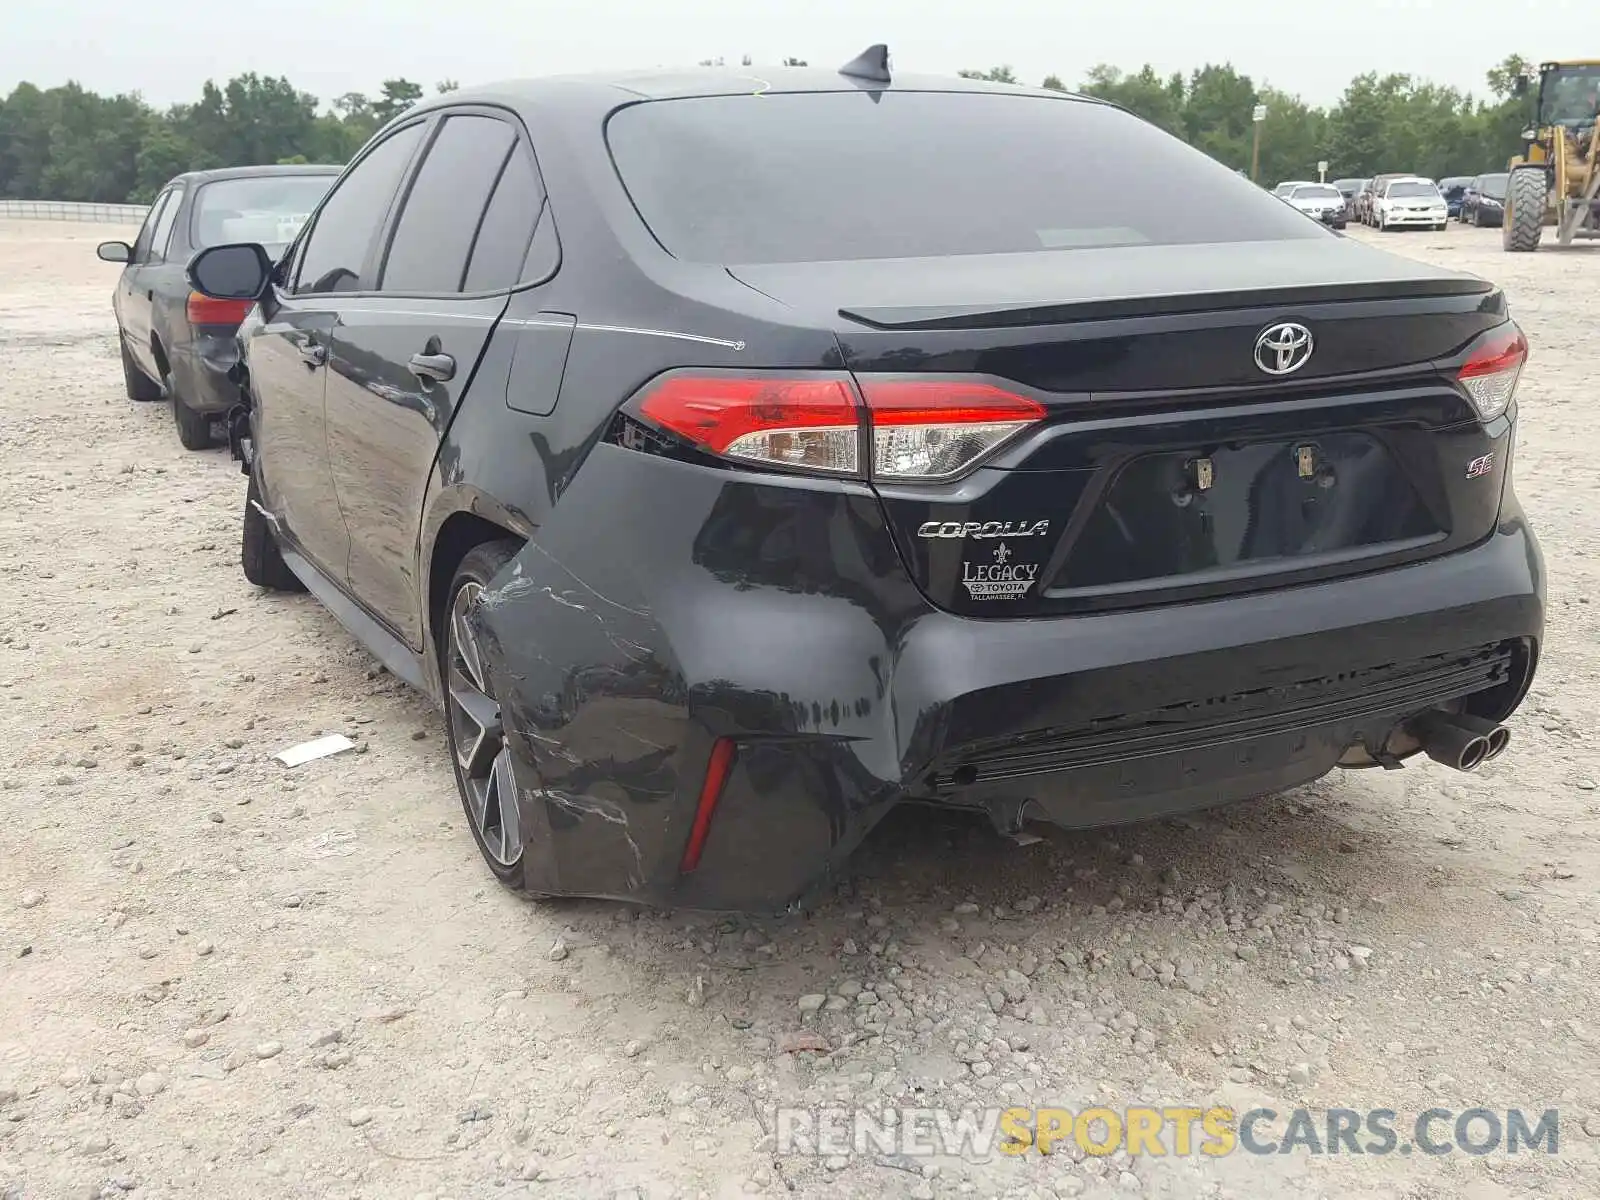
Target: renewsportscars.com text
<point x="1166" y="1130"/>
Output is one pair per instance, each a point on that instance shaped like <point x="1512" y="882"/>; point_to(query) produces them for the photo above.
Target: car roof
<point x="255" y="172"/>
<point x="724" y="81"/>
<point x="593" y="96"/>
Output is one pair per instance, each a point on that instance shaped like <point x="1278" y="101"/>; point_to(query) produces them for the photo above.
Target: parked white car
<point x="1283" y="190"/>
<point x="1320" y="200"/>
<point x="1411" y="203"/>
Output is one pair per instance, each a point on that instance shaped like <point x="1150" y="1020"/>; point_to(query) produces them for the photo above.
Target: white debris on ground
<point x="222" y="978"/>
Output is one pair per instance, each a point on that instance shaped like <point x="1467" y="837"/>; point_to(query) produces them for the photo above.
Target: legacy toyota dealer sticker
<point x="1001" y="579"/>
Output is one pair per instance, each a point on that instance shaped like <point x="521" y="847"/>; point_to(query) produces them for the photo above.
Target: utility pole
<point x="1258" y="116"/>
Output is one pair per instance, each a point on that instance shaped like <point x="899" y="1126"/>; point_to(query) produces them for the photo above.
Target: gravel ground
<point x="220" y="978"/>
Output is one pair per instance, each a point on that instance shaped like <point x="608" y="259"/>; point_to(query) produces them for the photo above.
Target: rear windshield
<point x="268" y="209"/>
<point x="1413" y="191"/>
<point x="813" y="177"/>
<point x="1493" y="185"/>
<point x="1316" y="193"/>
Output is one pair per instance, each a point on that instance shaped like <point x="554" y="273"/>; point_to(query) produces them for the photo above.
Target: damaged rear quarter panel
<point x="664" y="605"/>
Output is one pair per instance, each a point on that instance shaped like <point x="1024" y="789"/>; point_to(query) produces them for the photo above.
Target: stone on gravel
<point x="265" y="1050"/>
<point x="31" y="898"/>
<point x="150" y="1084"/>
<point x="811" y="1002"/>
<point x="359" y="1117"/>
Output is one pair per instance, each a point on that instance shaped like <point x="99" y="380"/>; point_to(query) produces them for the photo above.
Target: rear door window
<point x="141" y="244"/>
<point x="501" y="248"/>
<point x="163" y="230"/>
<point x="335" y="254"/>
<point x="439" y="222"/>
<point x="862" y="175"/>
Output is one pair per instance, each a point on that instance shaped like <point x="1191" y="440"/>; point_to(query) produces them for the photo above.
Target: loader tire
<point x="1523" y="223"/>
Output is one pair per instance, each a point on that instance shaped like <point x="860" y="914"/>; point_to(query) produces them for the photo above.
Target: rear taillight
<point x="935" y="428"/>
<point x="915" y="429"/>
<point x="812" y="423"/>
<point x="1493" y="366"/>
<point x="204" y="310"/>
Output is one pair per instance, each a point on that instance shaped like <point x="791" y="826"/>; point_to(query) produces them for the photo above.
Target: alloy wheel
<point x="482" y="756"/>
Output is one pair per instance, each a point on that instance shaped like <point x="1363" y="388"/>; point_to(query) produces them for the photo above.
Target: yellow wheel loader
<point x="1557" y="181"/>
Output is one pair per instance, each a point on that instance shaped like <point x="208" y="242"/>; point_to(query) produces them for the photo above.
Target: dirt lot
<point x="220" y="978"/>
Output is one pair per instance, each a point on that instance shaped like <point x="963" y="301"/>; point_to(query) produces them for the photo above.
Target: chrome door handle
<point x="438" y="367"/>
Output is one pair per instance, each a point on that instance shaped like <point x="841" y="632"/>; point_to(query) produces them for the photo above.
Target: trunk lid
<point x="1170" y="465"/>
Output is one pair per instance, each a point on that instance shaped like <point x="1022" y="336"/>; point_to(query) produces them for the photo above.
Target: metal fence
<point x="64" y="210"/>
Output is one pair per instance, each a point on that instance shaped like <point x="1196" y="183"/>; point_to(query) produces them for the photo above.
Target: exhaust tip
<point x="1499" y="738"/>
<point x="1473" y="755"/>
<point x="1452" y="744"/>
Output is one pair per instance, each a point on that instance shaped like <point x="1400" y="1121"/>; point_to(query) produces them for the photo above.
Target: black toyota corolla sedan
<point x="735" y="456"/>
<point x="178" y="343"/>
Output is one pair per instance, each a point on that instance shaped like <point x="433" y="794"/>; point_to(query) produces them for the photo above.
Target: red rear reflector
<point x="710" y="792"/>
<point x="807" y="422"/>
<point x="203" y="310"/>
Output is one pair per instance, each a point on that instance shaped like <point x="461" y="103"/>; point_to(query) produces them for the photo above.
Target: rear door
<point x="400" y="360"/>
<point x="288" y="352"/>
<point x="165" y="284"/>
<point x="135" y="299"/>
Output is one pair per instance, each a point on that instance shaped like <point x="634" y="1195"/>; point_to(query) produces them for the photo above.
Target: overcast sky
<point x="167" y="48"/>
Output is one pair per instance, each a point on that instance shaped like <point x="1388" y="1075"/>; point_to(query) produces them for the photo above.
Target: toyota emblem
<point x="1284" y="348"/>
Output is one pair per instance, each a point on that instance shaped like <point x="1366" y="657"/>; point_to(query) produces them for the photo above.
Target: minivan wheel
<point x="139" y="386"/>
<point x="259" y="556"/>
<point x="479" y="752"/>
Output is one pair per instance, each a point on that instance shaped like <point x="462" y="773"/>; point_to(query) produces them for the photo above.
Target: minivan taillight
<point x="916" y="429"/>
<point x="1493" y="366"/>
<point x="204" y="310"/>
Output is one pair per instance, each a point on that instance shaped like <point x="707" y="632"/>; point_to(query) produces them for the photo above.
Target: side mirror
<point x="238" y="271"/>
<point x="119" y="252"/>
<point x="1519" y="85"/>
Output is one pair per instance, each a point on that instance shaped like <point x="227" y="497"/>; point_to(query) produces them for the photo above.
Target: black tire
<point x="263" y="564"/>
<point x="194" y="428"/>
<point x="139" y="385"/>
<point x="479" y="781"/>
<point x="1522" y="224"/>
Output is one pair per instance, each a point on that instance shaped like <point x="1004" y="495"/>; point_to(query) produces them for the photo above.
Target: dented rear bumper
<point x="664" y="607"/>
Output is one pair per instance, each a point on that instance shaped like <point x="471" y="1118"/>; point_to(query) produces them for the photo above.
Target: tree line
<point x="68" y="143"/>
<point x="1381" y="122"/>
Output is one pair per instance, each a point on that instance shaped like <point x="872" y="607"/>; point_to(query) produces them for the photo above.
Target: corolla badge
<point x="983" y="529"/>
<point x="1284" y="348"/>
